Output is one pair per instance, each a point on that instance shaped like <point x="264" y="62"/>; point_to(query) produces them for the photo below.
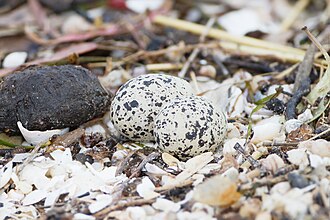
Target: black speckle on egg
<point x="127" y="106"/>
<point x="147" y="83"/>
<point x="139" y="101"/>
<point x="197" y="129"/>
<point x="134" y="104"/>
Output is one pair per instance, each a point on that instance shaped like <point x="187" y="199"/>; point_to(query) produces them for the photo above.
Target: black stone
<point x="51" y="97"/>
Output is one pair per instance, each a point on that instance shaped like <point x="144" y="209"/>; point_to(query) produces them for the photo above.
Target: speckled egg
<point x="139" y="100"/>
<point x="189" y="126"/>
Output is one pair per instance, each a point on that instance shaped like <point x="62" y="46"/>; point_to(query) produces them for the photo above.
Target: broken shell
<point x="39" y="137"/>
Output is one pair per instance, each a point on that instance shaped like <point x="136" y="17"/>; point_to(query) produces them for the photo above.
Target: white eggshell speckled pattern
<point x="140" y="99"/>
<point x="189" y="126"/>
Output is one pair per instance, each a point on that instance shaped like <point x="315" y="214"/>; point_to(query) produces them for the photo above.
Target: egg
<point x="139" y="101"/>
<point x="189" y="126"/>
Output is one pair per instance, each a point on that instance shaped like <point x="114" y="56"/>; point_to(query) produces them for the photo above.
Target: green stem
<point x="7" y="144"/>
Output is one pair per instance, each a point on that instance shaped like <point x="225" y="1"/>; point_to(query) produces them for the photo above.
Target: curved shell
<point x="189" y="126"/>
<point x="139" y="100"/>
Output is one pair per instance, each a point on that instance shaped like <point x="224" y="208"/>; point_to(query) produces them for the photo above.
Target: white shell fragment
<point x="102" y="201"/>
<point x="189" y="126"/>
<point x="34" y="197"/>
<point x="14" y="59"/>
<point x="268" y="129"/>
<point x="75" y="24"/>
<point x="6" y="173"/>
<point x="292" y="125"/>
<point x="243" y="21"/>
<point x="142" y="6"/>
<point x="38" y="137"/>
<point x="298" y="157"/>
<point x="146" y="189"/>
<point x="272" y="162"/>
<point x="319" y="147"/>
<point x="138" y="101"/>
<point x="166" y="205"/>
<point x="295" y="202"/>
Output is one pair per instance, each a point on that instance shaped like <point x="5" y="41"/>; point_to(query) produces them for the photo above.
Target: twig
<point x="139" y="202"/>
<point x="279" y="144"/>
<point x="322" y="87"/>
<point x="166" y="188"/>
<point x="256" y="184"/>
<point x="31" y="157"/>
<point x="293" y="14"/>
<point x="284" y="170"/>
<point x="146" y="160"/>
<point x="319" y="135"/>
<point x="163" y="66"/>
<point x="302" y="83"/>
<point x="252" y="161"/>
<point x="247" y="45"/>
<point x="194" y="81"/>
<point x="11" y="151"/>
<point x="317" y="43"/>
<point x="195" y="52"/>
<point x="69" y="138"/>
<point x="223" y="35"/>
<point x="286" y="72"/>
<point x="124" y="163"/>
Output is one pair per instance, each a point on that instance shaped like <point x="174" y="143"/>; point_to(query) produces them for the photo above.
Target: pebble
<point x="14" y="59"/>
<point x="297" y="180"/>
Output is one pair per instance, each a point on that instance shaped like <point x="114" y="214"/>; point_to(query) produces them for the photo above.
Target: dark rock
<point x="62" y="5"/>
<point x="276" y="105"/>
<point x="297" y="180"/>
<point x="89" y="159"/>
<point x="81" y="158"/>
<point x="51" y="97"/>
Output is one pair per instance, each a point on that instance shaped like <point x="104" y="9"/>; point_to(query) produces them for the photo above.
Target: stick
<point x="294" y="13"/>
<point x="163" y="66"/>
<point x="223" y="35"/>
<point x="195" y="52"/>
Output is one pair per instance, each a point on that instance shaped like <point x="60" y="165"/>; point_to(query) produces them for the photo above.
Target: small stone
<point x="297" y="180"/>
<point x="81" y="158"/>
<point x="14" y="59"/>
<point x="51" y="97"/>
<point x="276" y="105"/>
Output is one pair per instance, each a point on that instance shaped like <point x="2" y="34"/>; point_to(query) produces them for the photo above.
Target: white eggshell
<point x="189" y="126"/>
<point x="38" y="137"/>
<point x="139" y="100"/>
<point x="243" y="21"/>
<point x="101" y="202"/>
<point x="166" y="205"/>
